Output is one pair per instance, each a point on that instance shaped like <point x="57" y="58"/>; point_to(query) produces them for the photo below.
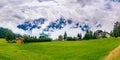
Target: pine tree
<point x="88" y="35"/>
<point x="91" y="34"/>
<point x="79" y="36"/>
<point x="65" y="35"/>
<point x="95" y="35"/>
<point x="111" y="34"/>
<point x="116" y="29"/>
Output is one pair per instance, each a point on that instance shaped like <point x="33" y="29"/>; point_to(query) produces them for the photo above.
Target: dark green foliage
<point x="9" y="35"/>
<point x="3" y="32"/>
<point x="35" y="39"/>
<point x="17" y="35"/>
<point x="116" y="30"/>
<point x="42" y="37"/>
<point x="91" y="34"/>
<point x="60" y="37"/>
<point x="95" y="35"/>
<point x="65" y="35"/>
<point x="88" y="35"/>
<point x="70" y="39"/>
<point x="26" y="38"/>
<point x="111" y="34"/>
<point x="79" y="36"/>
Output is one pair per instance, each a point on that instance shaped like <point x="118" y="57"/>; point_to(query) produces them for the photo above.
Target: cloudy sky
<point x="15" y="12"/>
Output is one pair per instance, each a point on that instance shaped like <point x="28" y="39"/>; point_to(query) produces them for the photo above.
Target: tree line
<point x="69" y="38"/>
<point x="116" y="30"/>
<point x="28" y="38"/>
<point x="9" y="35"/>
<point x="88" y="35"/>
<point x="93" y="35"/>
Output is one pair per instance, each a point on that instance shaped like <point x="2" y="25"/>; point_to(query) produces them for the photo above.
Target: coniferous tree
<point x="91" y="34"/>
<point x="88" y="35"/>
<point x="65" y="35"/>
<point x="79" y="36"/>
<point x="116" y="29"/>
<point x="119" y="29"/>
<point x="111" y="34"/>
<point x="95" y="35"/>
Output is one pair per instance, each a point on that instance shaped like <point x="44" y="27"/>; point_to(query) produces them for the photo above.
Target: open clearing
<point x="58" y="50"/>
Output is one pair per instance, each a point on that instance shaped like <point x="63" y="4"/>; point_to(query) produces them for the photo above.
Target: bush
<point x="34" y="39"/>
<point x="9" y="36"/>
<point x="44" y="39"/>
<point x="70" y="39"/>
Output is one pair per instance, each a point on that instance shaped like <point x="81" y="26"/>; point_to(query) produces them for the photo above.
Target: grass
<point x="67" y="50"/>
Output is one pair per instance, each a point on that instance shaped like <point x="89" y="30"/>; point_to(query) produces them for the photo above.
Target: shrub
<point x="34" y="39"/>
<point x="60" y="38"/>
<point x="9" y="36"/>
<point x="44" y="39"/>
<point x="70" y="39"/>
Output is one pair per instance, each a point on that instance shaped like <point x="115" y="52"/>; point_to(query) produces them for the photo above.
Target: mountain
<point x="54" y="17"/>
<point x="28" y="25"/>
<point x="57" y="25"/>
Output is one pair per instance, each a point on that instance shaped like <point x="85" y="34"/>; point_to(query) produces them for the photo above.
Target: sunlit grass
<point x="63" y="50"/>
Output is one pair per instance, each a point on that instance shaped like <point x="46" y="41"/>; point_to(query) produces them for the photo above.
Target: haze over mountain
<point x="54" y="17"/>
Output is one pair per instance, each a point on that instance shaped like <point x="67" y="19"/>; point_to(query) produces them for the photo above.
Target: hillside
<point x="67" y="50"/>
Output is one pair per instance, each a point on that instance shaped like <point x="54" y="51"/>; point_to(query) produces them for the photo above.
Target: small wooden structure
<point x="118" y="37"/>
<point x="19" y="40"/>
<point x="77" y="38"/>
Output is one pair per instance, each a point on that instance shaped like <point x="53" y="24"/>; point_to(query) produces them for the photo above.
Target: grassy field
<point x="67" y="50"/>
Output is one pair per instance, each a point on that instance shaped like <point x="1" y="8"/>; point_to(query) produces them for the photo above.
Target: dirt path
<point x="113" y="54"/>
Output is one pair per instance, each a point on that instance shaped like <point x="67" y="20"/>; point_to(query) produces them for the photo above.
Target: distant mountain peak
<point x="30" y="25"/>
<point x="56" y="25"/>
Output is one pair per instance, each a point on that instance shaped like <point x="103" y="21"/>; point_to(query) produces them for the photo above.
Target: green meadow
<point x="58" y="50"/>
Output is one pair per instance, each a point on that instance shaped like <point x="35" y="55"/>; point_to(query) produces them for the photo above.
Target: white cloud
<point x="14" y="12"/>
